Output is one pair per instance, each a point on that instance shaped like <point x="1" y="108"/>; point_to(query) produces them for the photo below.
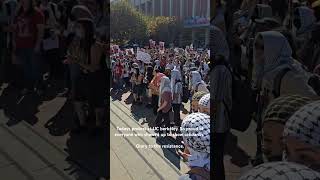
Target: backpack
<point x="243" y="102"/>
<point x="200" y="173"/>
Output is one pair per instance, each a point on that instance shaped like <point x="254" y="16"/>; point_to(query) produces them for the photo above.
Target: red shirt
<point x="118" y="70"/>
<point x="27" y="32"/>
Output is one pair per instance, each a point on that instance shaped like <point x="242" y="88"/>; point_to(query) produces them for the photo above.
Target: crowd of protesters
<point x="266" y="64"/>
<point x="165" y="79"/>
<point x="45" y="42"/>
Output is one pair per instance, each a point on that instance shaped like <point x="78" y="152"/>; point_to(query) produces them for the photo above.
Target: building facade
<point x="194" y="13"/>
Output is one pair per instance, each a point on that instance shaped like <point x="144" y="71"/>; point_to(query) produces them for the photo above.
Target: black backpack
<point x="243" y="102"/>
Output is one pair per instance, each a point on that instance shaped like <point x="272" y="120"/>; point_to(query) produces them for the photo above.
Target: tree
<point x="127" y="23"/>
<point x="164" y="28"/>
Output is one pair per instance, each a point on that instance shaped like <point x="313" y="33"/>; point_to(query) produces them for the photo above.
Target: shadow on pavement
<point x="169" y="153"/>
<point x="62" y="122"/>
<point x="116" y="95"/>
<point x="89" y="152"/>
<point x="18" y="108"/>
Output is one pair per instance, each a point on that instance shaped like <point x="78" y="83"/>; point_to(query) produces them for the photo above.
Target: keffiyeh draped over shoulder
<point x="165" y="85"/>
<point x="304" y="125"/>
<point x="281" y="171"/>
<point x="175" y="76"/>
<point x="195" y="129"/>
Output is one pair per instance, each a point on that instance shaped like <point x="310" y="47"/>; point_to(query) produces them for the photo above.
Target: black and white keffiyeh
<point x="281" y="171"/>
<point x="282" y="108"/>
<point x="195" y="129"/>
<point x="304" y="125"/>
<point x="205" y="101"/>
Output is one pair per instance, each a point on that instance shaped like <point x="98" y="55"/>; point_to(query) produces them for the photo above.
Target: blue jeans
<point x="32" y="66"/>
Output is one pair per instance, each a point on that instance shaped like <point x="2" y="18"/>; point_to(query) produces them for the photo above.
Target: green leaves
<point x="127" y="24"/>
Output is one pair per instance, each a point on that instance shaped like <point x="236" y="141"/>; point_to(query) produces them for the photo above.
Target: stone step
<point x="166" y="162"/>
<point x="33" y="155"/>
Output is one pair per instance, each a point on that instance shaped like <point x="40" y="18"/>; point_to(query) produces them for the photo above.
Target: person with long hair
<point x="28" y="32"/>
<point x="91" y="86"/>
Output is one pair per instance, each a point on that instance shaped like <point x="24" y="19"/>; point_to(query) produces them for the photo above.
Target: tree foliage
<point x="164" y="28"/>
<point x="126" y="23"/>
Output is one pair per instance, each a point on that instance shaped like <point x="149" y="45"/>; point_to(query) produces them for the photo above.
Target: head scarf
<point x="157" y="63"/>
<point x="175" y="76"/>
<point x="281" y="171"/>
<point x="307" y="19"/>
<point x="165" y="85"/>
<point x="304" y="125"/>
<point x="282" y="108"/>
<point x="277" y="52"/>
<point x="205" y="101"/>
<point x="195" y="79"/>
<point x="195" y="129"/>
<point x="218" y="43"/>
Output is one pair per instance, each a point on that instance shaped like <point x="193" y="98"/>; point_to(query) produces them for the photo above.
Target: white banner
<point x="144" y="57"/>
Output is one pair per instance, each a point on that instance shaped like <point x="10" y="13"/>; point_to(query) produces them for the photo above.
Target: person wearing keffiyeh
<point x="204" y="104"/>
<point x="165" y="103"/>
<point x="272" y="54"/>
<point x="177" y="91"/>
<point x="302" y="136"/>
<point x="199" y="144"/>
<point x="280" y="171"/>
<point x="273" y="121"/>
<point x="197" y="84"/>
